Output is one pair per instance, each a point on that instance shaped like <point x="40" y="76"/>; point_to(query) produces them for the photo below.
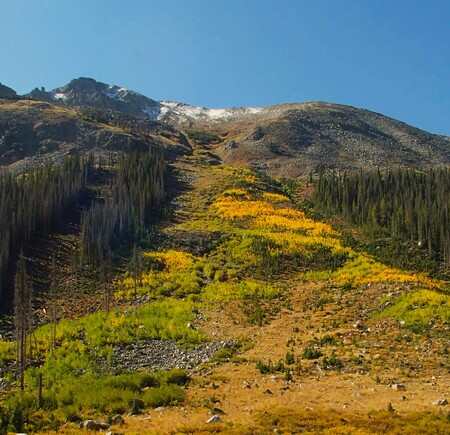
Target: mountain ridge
<point x="287" y="140"/>
<point x="162" y="110"/>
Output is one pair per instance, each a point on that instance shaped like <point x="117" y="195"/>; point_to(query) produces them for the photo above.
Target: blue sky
<point x="389" y="56"/>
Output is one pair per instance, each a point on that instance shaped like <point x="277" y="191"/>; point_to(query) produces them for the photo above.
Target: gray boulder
<point x="118" y="420"/>
<point x="214" y="419"/>
<point x="440" y="402"/>
<point x="94" y="425"/>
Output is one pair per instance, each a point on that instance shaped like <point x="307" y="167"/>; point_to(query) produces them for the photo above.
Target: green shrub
<point x="327" y="339"/>
<point x="148" y="380"/>
<point x="163" y="396"/>
<point x="289" y="358"/>
<point x="5" y="417"/>
<point x="220" y="276"/>
<point x="17" y="418"/>
<point x="202" y="137"/>
<point x="224" y="354"/>
<point x="72" y="413"/>
<point x="311" y="352"/>
<point x="270" y="367"/>
<point x="125" y="382"/>
<point x="419" y="310"/>
<point x="333" y="362"/>
<point x="7" y="353"/>
<point x="175" y="376"/>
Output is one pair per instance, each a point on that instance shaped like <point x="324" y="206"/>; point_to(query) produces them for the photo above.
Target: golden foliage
<point x="275" y="197"/>
<point x="173" y="261"/>
<point x="361" y="269"/>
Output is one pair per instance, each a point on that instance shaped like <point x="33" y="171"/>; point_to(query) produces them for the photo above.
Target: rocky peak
<point x="81" y="84"/>
<point x="6" y="92"/>
<point x="91" y="93"/>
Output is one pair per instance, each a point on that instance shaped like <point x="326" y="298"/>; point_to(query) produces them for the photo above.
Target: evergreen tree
<point x="409" y="205"/>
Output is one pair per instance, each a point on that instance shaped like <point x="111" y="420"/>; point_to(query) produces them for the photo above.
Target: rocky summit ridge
<point x="289" y="140"/>
<point x="91" y="93"/>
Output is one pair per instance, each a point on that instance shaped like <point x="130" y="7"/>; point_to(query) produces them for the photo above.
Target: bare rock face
<point x="214" y="419"/>
<point x="87" y="92"/>
<point x="398" y="387"/>
<point x="22" y="137"/>
<point x="440" y="402"/>
<point x="164" y="355"/>
<point x="118" y="420"/>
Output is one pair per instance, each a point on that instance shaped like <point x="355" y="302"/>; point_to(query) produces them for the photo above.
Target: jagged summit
<point x="88" y="92"/>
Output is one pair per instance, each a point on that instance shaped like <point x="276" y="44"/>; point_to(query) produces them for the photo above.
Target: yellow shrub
<point x="173" y="261"/>
<point x="275" y="197"/>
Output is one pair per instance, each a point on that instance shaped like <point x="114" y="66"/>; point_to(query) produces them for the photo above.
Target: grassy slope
<point x="376" y="352"/>
<point x="372" y="325"/>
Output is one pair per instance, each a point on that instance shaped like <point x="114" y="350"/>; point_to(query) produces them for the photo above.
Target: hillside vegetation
<point x="407" y="212"/>
<point x="166" y="273"/>
<point x="311" y="333"/>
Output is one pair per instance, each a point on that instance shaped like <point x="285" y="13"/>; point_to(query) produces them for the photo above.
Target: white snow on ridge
<point x="152" y="112"/>
<point x="166" y="111"/>
<point x="115" y="92"/>
<point x="59" y="96"/>
<point x="194" y="113"/>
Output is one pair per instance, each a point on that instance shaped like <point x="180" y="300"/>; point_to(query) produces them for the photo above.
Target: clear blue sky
<point x="390" y="56"/>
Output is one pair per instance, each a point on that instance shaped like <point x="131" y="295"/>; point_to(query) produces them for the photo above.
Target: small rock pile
<point x="164" y="355"/>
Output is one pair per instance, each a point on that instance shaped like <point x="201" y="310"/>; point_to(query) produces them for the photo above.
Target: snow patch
<point x="201" y="114"/>
<point x="152" y="112"/>
<point x="59" y="96"/>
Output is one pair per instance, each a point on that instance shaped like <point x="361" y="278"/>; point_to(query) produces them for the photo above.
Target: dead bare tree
<point x="54" y="289"/>
<point x="22" y="315"/>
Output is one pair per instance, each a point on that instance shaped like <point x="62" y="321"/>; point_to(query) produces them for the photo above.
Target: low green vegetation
<point x="419" y="310"/>
<point x="202" y="137"/>
<point x="263" y="242"/>
<point x="75" y="391"/>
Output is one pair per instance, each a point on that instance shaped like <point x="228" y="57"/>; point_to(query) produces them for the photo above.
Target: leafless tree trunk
<point x="22" y="315"/>
<point x="136" y="268"/>
<point x="54" y="287"/>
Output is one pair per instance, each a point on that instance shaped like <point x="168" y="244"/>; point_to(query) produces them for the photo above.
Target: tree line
<point x="31" y="205"/>
<point x="403" y="204"/>
<point x="116" y="212"/>
<point x="123" y="214"/>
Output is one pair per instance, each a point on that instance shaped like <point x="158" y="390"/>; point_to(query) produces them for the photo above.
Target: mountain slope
<point x="302" y="333"/>
<point x="290" y="140"/>
<point x="280" y="324"/>
<point x="33" y="132"/>
<point x="296" y="139"/>
<point x="88" y="92"/>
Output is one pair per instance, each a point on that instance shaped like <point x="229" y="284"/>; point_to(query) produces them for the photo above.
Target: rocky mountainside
<point x="88" y="92"/>
<point x="35" y="132"/>
<point x="291" y="140"/>
<point x="269" y="321"/>
<point x="296" y="139"/>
